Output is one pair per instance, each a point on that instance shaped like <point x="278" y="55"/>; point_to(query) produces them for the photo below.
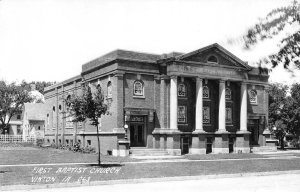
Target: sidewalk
<point x="145" y="180"/>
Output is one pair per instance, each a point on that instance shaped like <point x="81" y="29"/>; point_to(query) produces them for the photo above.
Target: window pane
<point x="205" y="92"/>
<point x="181" y="90"/>
<point x="228" y="116"/>
<point x="182" y="114"/>
<point x="138" y="88"/>
<point x="206" y="115"/>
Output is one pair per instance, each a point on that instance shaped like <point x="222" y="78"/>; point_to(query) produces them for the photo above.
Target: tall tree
<point x="12" y="99"/>
<point x="272" y="25"/>
<point x="90" y="107"/>
<point x="294" y="109"/>
<point x="278" y="113"/>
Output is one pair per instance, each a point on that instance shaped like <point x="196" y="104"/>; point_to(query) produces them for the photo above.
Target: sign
<point x="137" y="118"/>
<point x="204" y="70"/>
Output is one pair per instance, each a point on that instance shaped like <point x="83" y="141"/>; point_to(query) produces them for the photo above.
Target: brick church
<point x="205" y="101"/>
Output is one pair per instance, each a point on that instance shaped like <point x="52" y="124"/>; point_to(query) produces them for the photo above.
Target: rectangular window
<point x="67" y="141"/>
<point x="89" y="142"/>
<point x="181" y="114"/>
<point x="18" y="116"/>
<point x="19" y="131"/>
<point x="228" y="116"/>
<point x="206" y="115"/>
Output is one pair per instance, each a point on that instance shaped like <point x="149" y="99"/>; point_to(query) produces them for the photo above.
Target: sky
<point x="49" y="40"/>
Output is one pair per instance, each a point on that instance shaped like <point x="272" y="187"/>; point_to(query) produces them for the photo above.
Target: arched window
<point x="109" y="90"/>
<point x="228" y="94"/>
<point x="205" y="92"/>
<point x="68" y="104"/>
<point x="212" y="59"/>
<point x="181" y="90"/>
<point x="138" y="88"/>
<point x="59" y="107"/>
<point x="253" y="96"/>
<point x="69" y="117"/>
<point x="53" y="117"/>
<point x="48" y="119"/>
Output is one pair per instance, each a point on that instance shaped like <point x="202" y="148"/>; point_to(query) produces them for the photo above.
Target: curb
<point x="145" y="180"/>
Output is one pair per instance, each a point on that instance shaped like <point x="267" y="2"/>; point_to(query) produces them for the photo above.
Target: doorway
<point x="137" y="135"/>
<point x="253" y="127"/>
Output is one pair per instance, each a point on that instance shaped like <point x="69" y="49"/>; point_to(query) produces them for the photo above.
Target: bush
<point x="39" y="142"/>
<point x="88" y="149"/>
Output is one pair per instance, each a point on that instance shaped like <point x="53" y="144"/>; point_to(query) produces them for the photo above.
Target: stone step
<point x="263" y="149"/>
<point x="147" y="152"/>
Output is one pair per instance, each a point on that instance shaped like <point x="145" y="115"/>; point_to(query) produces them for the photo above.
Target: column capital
<point x="199" y="78"/>
<point x="173" y="77"/>
<point x="222" y="80"/>
<point x="119" y="74"/>
<point x="243" y="83"/>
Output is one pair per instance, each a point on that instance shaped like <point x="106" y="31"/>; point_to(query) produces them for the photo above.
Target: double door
<point x="137" y="135"/>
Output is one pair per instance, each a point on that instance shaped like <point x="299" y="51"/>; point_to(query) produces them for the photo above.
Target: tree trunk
<point x="282" y="142"/>
<point x="99" y="160"/>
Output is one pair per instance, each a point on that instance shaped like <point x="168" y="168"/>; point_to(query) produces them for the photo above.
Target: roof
<point x="121" y="54"/>
<point x="216" y="45"/>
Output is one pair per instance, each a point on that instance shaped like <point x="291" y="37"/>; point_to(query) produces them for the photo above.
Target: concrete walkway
<point x="149" y="159"/>
<point x="260" y="181"/>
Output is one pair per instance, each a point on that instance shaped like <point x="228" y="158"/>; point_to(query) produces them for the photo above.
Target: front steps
<point x="143" y="151"/>
<point x="260" y="149"/>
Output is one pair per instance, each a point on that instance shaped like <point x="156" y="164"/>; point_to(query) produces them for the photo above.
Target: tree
<point x="39" y="85"/>
<point x="295" y="109"/>
<point x="278" y="111"/>
<point x="272" y="25"/>
<point x="88" y="107"/>
<point x="12" y="99"/>
<point x="284" y="110"/>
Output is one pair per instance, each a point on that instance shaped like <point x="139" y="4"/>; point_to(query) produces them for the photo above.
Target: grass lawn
<point x="61" y="174"/>
<point x="224" y="156"/>
<point x="32" y="155"/>
<point x="33" y="175"/>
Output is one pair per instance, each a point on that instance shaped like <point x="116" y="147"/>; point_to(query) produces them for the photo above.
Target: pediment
<point x="215" y="55"/>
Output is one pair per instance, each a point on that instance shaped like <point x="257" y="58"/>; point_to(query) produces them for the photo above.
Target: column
<point x="222" y="105"/>
<point x="243" y="111"/>
<point x="242" y="139"/>
<point x="162" y="102"/>
<point x="173" y="103"/>
<point x="199" y="104"/>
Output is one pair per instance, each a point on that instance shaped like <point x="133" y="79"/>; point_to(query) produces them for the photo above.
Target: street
<point x="282" y="182"/>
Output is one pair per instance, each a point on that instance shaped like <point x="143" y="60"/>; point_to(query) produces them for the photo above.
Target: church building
<point x="205" y="101"/>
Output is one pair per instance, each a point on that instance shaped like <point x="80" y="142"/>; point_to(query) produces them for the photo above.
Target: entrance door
<point x="253" y="127"/>
<point x="137" y="135"/>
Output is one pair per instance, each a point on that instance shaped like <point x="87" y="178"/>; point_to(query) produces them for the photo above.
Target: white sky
<point x="50" y="39"/>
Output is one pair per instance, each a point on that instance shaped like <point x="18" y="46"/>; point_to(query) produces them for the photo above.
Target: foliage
<point x="284" y="110"/>
<point x="12" y="99"/>
<point x="75" y="148"/>
<point x="275" y="22"/>
<point x="90" y="107"/>
<point x="39" y="85"/>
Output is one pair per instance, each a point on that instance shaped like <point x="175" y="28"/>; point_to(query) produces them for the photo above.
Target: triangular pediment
<point x="214" y="54"/>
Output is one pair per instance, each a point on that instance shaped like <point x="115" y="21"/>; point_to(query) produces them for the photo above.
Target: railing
<point x="17" y="139"/>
